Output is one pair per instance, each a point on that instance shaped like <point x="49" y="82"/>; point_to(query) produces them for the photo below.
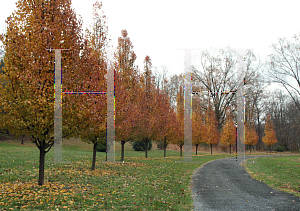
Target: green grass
<point x="280" y="173"/>
<point x="155" y="183"/>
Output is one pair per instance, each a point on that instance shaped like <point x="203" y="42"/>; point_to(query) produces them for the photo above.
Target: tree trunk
<point x="230" y="148"/>
<point x="22" y="139"/>
<point x="258" y="130"/>
<point x="269" y="148"/>
<point x="165" y="149"/>
<point x="94" y="156"/>
<point x="211" y="149"/>
<point x="250" y="149"/>
<point x="122" y="151"/>
<point x="180" y="151"/>
<point x="42" y="162"/>
<point x="146" y="151"/>
<point x="196" y="148"/>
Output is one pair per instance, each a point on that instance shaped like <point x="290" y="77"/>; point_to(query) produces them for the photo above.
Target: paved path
<point x="225" y="185"/>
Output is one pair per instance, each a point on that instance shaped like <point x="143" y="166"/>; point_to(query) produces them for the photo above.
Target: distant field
<point x="280" y="173"/>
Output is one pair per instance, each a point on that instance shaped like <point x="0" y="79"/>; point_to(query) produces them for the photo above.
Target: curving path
<point x="225" y="185"/>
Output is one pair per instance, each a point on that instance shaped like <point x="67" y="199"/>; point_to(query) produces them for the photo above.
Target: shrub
<point x="102" y="145"/>
<point x="141" y="145"/>
<point x="279" y="149"/>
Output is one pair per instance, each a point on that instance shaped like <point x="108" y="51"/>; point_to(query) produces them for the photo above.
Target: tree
<point x="93" y="107"/>
<point x="28" y="97"/>
<point x="255" y="101"/>
<point x="127" y="92"/>
<point x="199" y="129"/>
<point x="127" y="114"/>
<point x="270" y="135"/>
<point x="228" y="135"/>
<point x="285" y="117"/>
<point x="173" y="85"/>
<point x="125" y="59"/>
<point x="251" y="136"/>
<point x="213" y="135"/>
<point x="166" y="117"/>
<point x="218" y="75"/>
<point x="179" y="139"/>
<point x="284" y="68"/>
<point x="148" y="127"/>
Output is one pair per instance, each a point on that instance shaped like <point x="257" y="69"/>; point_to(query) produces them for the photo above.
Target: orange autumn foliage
<point x="92" y="113"/>
<point x="228" y="135"/>
<point x="270" y="135"/>
<point x="251" y="136"/>
<point x="199" y="130"/>
<point x="28" y="97"/>
<point x="149" y="102"/>
<point x="212" y="135"/>
<point x="127" y="92"/>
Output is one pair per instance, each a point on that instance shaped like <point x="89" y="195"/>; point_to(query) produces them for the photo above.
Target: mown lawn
<point x="280" y="173"/>
<point x="155" y="183"/>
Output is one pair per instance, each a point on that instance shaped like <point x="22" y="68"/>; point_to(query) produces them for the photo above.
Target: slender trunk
<point x="230" y="148"/>
<point x="270" y="148"/>
<point x="42" y="162"/>
<point x="180" y="151"/>
<point x="122" y="151"/>
<point x="22" y="139"/>
<point x="94" y="156"/>
<point x="250" y="149"/>
<point x="211" y="149"/>
<point x="146" y="151"/>
<point x="196" y="148"/>
<point x="165" y="149"/>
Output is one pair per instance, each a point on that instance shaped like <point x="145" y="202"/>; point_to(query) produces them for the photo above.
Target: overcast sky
<point x="158" y="27"/>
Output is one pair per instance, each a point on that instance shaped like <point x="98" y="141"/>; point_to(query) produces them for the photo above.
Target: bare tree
<point x="217" y="75"/>
<point x="285" y="115"/>
<point x="284" y="66"/>
<point x="174" y="83"/>
<point x="255" y="99"/>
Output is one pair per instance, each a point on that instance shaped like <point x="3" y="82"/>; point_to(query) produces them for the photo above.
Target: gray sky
<point x="158" y="27"/>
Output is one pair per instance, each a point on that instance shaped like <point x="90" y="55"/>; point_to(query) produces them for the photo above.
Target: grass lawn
<point x="155" y="183"/>
<point x="280" y="173"/>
